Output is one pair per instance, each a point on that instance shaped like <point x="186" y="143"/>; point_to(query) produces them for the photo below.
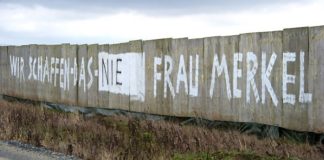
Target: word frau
<point x="220" y="66"/>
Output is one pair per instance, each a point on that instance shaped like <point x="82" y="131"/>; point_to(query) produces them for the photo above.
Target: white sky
<point x="111" y="22"/>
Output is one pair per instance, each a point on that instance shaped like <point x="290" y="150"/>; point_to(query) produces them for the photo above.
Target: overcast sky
<point x="114" y="21"/>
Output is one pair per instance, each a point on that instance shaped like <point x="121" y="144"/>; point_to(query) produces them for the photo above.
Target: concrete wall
<point x="273" y="78"/>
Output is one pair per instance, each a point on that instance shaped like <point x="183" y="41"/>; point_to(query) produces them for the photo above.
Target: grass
<point x="228" y="155"/>
<point x="120" y="137"/>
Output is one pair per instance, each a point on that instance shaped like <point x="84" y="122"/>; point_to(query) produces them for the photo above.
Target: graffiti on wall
<point x="124" y="73"/>
<point x="117" y="73"/>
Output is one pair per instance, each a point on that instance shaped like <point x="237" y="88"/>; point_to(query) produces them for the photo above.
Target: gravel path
<point x="13" y="150"/>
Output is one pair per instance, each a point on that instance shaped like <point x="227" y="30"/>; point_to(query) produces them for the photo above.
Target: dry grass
<point x="118" y="137"/>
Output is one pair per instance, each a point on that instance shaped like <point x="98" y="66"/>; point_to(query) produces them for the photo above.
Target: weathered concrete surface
<point x="231" y="78"/>
<point x="219" y="89"/>
<point x="103" y="97"/>
<point x="296" y="40"/>
<point x="179" y="78"/>
<point x="80" y="72"/>
<point x="55" y="89"/>
<point x="249" y="47"/>
<point x="155" y="51"/>
<point x="92" y="80"/>
<point x="196" y="105"/>
<point x="32" y="74"/>
<point x="69" y="94"/>
<point x="271" y="46"/>
<point x="316" y="78"/>
<point x="4" y="75"/>
<point x="137" y="106"/>
<point x="12" y="86"/>
<point x="118" y="100"/>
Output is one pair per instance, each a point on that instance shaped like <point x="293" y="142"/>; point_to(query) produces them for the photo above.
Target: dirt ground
<point x="111" y="137"/>
<point x="19" y="151"/>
